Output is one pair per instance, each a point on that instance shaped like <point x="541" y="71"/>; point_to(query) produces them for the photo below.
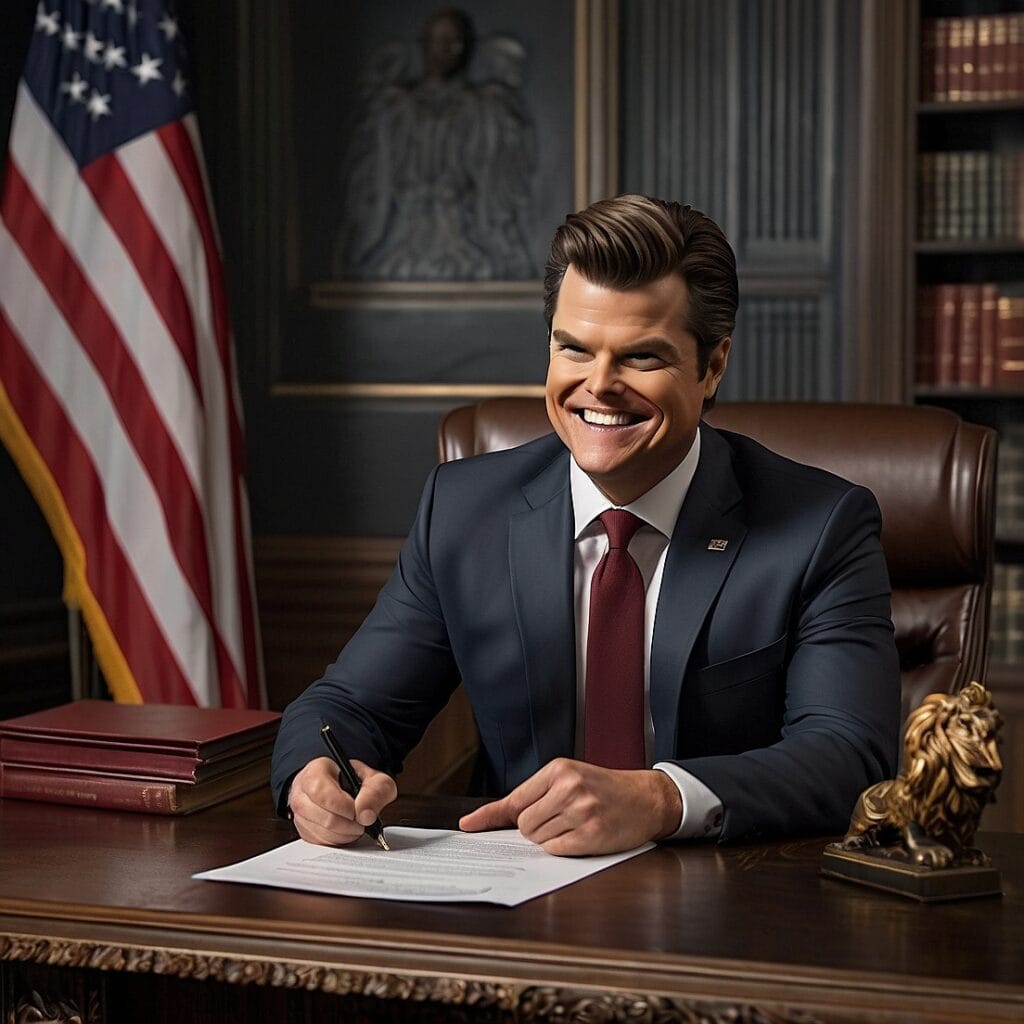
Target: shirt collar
<point x="659" y="506"/>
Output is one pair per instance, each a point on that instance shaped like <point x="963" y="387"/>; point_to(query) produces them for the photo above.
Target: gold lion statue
<point x="929" y="813"/>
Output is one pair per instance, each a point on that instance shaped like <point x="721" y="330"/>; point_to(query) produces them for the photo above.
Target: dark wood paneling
<point x="313" y="594"/>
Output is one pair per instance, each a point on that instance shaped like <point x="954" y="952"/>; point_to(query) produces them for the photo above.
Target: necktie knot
<point x="620" y="526"/>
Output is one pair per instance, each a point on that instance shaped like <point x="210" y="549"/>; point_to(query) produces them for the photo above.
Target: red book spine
<point x="969" y="340"/>
<point x="105" y="791"/>
<point x="1010" y="344"/>
<point x="1000" y="82"/>
<point x="924" y="361"/>
<point x="125" y="760"/>
<point x="983" y="71"/>
<point x="125" y="792"/>
<point x="940" y="61"/>
<point x="1015" y="55"/>
<point x="954" y="59"/>
<point x="946" y="330"/>
<point x="968" y="59"/>
<point x="988" y="331"/>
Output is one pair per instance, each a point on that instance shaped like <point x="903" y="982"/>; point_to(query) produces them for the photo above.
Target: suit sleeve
<point x="391" y="679"/>
<point x="840" y="730"/>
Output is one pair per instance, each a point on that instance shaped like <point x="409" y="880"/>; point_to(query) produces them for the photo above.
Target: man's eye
<point x="643" y="359"/>
<point x="575" y="351"/>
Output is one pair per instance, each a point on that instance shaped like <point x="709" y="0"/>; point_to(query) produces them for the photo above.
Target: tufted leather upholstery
<point x="931" y="472"/>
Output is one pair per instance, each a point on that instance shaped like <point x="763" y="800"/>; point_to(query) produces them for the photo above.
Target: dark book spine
<point x="927" y="307"/>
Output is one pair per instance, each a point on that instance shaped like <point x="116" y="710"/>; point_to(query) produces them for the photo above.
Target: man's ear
<point x="717" y="363"/>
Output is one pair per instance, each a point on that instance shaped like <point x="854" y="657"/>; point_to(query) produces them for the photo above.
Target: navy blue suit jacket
<point x="774" y="676"/>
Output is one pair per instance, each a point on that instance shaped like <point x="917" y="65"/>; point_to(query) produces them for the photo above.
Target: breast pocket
<point x="744" y="668"/>
<point x="735" y="705"/>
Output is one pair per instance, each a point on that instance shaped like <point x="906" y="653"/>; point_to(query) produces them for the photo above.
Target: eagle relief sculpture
<point x="923" y="821"/>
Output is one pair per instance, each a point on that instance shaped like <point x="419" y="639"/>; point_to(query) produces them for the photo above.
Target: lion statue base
<point x="925" y="819"/>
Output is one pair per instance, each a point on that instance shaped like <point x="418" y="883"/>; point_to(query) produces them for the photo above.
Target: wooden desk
<point x="98" y="908"/>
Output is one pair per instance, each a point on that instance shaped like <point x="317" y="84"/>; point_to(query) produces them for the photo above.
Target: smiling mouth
<point x="608" y="419"/>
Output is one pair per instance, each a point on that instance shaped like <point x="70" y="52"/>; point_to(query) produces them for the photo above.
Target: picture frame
<point x="407" y="339"/>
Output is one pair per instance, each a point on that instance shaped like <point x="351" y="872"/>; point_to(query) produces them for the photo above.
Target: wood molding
<point x="880" y="299"/>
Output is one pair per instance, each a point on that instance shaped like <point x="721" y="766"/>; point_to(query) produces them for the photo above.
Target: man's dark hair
<point x="633" y="240"/>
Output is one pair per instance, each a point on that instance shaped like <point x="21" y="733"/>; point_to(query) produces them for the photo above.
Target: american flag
<point x="118" y="396"/>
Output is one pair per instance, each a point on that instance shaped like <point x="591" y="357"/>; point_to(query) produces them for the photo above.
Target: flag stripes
<point x="119" y="402"/>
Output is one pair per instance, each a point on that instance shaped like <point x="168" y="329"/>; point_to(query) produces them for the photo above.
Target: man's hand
<point x="324" y="813"/>
<point x="571" y="807"/>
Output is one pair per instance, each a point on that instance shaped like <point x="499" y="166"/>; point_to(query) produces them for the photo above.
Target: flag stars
<point x="113" y="57"/>
<point x="133" y="15"/>
<point x="179" y="85"/>
<point x="94" y="48"/>
<point x="98" y="105"/>
<point x="70" y="38"/>
<point x="116" y="5"/>
<point x="75" y="88"/>
<point x="169" y="27"/>
<point x="48" y="23"/>
<point x="148" y="69"/>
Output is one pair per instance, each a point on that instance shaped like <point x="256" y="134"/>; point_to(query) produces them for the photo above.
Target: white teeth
<point x="607" y="419"/>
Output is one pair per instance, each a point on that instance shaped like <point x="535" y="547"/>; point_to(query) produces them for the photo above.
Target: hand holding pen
<point x="349" y="781"/>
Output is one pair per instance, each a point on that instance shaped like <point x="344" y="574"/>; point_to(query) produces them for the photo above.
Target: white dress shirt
<point x="659" y="509"/>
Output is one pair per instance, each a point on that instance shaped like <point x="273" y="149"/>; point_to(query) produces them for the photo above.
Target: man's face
<point x="623" y="390"/>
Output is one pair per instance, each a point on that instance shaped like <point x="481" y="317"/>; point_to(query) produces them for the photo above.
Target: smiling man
<point x="665" y="631"/>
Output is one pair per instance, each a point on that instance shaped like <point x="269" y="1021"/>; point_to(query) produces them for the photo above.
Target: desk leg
<point x="30" y="994"/>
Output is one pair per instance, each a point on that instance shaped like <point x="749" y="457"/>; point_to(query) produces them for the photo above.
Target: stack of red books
<point x="161" y="758"/>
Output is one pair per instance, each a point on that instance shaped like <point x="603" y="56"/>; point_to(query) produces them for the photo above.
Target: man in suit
<point x="767" y="673"/>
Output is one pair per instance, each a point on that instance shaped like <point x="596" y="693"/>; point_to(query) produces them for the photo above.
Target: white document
<point x="434" y="865"/>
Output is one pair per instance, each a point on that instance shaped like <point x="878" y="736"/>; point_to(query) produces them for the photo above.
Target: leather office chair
<point x="933" y="476"/>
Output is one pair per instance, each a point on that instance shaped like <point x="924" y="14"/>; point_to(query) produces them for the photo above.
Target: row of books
<point x="980" y="57"/>
<point x="1010" y="482"/>
<point x="159" y="758"/>
<point x="970" y="194"/>
<point x="1007" y="631"/>
<point x="970" y="335"/>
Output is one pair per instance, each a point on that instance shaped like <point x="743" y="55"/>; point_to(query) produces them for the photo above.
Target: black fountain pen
<point x="349" y="781"/>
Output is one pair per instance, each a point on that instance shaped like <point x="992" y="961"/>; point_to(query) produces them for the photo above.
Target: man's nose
<point x="604" y="377"/>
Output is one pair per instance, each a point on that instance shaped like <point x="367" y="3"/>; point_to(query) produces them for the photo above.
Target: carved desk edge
<point x="526" y="1000"/>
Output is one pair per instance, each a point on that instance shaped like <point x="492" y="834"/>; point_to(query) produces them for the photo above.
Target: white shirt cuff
<point x="702" y="810"/>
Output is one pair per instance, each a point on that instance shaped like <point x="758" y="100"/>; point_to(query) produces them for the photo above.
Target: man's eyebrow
<point x="564" y="337"/>
<point x="657" y="345"/>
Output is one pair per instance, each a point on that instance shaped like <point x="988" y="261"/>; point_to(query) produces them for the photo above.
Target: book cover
<point x="128" y="760"/>
<point x="199" y="733"/>
<point x="128" y="793"/>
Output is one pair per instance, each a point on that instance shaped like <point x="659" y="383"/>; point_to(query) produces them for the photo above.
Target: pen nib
<point x="383" y="842"/>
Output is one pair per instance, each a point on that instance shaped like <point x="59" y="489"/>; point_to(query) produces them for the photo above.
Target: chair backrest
<point x="933" y="476"/>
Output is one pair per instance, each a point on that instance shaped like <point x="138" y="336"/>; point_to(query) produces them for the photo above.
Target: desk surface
<point x="693" y="925"/>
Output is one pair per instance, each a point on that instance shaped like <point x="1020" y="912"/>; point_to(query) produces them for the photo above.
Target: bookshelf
<point x="967" y="260"/>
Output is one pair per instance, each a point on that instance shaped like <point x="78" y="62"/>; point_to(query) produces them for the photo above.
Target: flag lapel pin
<point x="717" y="544"/>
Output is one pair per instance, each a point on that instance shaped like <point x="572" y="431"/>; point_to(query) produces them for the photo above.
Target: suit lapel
<point x="693" y="576"/>
<point x="541" y="569"/>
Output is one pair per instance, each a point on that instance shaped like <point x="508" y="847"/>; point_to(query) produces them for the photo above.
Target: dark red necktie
<point x="614" y="698"/>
